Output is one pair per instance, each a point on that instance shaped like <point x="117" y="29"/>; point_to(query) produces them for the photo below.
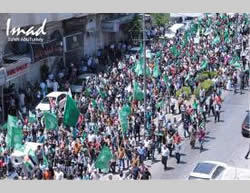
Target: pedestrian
<point x="177" y="152"/>
<point x="164" y="156"/>
<point x="201" y="135"/>
<point x="217" y="112"/>
<point x="121" y="157"/>
<point x="246" y="156"/>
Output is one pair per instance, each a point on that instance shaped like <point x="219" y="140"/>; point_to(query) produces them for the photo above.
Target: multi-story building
<point x="68" y="38"/>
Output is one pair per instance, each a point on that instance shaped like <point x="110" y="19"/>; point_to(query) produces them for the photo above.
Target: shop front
<point x="3" y="76"/>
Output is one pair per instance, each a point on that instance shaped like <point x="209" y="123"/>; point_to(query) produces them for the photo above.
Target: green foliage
<point x="207" y="85"/>
<point x="185" y="90"/>
<point x="160" y="18"/>
<point x="134" y="29"/>
<point x="206" y="75"/>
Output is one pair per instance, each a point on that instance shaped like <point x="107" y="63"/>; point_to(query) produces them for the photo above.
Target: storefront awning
<point x="17" y="68"/>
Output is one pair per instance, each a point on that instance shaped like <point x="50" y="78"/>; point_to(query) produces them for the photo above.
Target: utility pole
<point x="145" y="65"/>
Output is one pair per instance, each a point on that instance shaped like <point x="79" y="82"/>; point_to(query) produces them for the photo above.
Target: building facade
<point x="68" y="38"/>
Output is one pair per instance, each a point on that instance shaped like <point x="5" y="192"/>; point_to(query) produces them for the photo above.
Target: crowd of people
<point x="71" y="152"/>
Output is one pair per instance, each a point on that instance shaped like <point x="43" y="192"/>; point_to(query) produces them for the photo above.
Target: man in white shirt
<point x="164" y="156"/>
<point x="58" y="174"/>
<point x="91" y="137"/>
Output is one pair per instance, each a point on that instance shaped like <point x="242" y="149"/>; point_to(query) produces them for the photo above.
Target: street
<point x="224" y="142"/>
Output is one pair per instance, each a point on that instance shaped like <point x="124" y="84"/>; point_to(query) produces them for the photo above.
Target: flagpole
<point x="145" y="82"/>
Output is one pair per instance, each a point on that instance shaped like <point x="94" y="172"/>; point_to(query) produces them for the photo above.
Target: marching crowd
<point x="71" y="152"/>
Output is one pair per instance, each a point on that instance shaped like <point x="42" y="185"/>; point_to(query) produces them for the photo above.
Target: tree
<point x="160" y="19"/>
<point x="134" y="29"/>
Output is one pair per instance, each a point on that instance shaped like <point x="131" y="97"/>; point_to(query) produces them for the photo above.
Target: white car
<point x="214" y="170"/>
<point x="44" y="105"/>
<point x="208" y="170"/>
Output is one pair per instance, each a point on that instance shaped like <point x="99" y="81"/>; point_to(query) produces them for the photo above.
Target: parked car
<point x="44" y="105"/>
<point x="208" y="170"/>
<point x="245" y="127"/>
<point x="82" y="79"/>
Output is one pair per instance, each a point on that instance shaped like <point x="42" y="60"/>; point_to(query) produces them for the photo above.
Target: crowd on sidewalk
<point x="212" y="44"/>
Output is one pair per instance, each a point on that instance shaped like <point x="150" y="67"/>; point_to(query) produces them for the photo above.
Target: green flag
<point x="204" y="64"/>
<point x="96" y="128"/>
<point x="71" y="112"/>
<point x="88" y="92"/>
<point x="94" y="103"/>
<point x="4" y="126"/>
<point x="187" y="77"/>
<point x="84" y="136"/>
<point x="137" y="92"/>
<point x="139" y="68"/>
<point x="126" y="108"/>
<point x="102" y="94"/>
<point x="50" y="120"/>
<point x="45" y="161"/>
<point x="226" y="36"/>
<point x="158" y="54"/>
<point x="156" y="72"/>
<point x="174" y="51"/>
<point x="216" y="40"/>
<point x="159" y="104"/>
<point x="123" y="117"/>
<point x="14" y="132"/>
<point x="165" y="78"/>
<point x="103" y="158"/>
<point x="32" y="117"/>
<point x="234" y="60"/>
<point x="101" y="107"/>
<point x="32" y="154"/>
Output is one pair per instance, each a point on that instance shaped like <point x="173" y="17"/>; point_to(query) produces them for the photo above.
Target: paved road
<point x="224" y="143"/>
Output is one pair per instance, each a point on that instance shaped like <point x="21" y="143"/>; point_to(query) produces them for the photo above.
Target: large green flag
<point x="103" y="158"/>
<point x="126" y="108"/>
<point x="235" y="62"/>
<point x="14" y="133"/>
<point x="50" y="120"/>
<point x="137" y="92"/>
<point x="139" y="68"/>
<point x="123" y="116"/>
<point x="71" y="112"/>
<point x="45" y="161"/>
<point x="123" y="121"/>
<point x="156" y="72"/>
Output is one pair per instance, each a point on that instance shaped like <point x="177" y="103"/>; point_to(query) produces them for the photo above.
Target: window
<point x="45" y="100"/>
<point x="61" y="97"/>
<point x="218" y="172"/>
